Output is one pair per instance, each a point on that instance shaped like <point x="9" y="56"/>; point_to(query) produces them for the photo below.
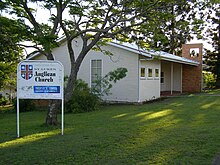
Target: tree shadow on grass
<point x="180" y="132"/>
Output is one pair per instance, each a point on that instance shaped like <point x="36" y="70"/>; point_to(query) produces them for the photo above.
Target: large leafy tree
<point x="11" y="33"/>
<point x="180" y="24"/>
<point x="212" y="57"/>
<point x="94" y="21"/>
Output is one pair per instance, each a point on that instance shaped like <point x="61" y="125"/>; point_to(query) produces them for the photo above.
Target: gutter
<point x="194" y="63"/>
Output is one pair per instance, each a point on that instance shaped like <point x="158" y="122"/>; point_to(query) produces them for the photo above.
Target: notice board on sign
<point x="40" y="80"/>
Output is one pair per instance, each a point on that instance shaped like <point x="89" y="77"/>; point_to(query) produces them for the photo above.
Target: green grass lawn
<point x="183" y="130"/>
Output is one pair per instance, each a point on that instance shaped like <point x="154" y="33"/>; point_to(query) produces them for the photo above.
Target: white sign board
<point x="40" y="80"/>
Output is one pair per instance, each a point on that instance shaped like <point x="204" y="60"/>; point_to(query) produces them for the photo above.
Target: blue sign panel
<point x="46" y="89"/>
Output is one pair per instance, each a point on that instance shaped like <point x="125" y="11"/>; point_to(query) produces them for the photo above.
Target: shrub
<point x="25" y="105"/>
<point x="3" y="100"/>
<point x="83" y="100"/>
<point x="209" y="80"/>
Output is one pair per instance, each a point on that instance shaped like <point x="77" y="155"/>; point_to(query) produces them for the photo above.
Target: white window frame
<point x="143" y="77"/>
<point x="150" y="78"/>
<point x="90" y="74"/>
<point x="156" y="77"/>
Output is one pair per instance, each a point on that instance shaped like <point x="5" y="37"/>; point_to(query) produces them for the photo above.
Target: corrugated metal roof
<point x="153" y="54"/>
<point x="130" y="47"/>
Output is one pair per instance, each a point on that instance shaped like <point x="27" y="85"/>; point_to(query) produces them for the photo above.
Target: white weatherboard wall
<point x="149" y="87"/>
<point x="125" y="90"/>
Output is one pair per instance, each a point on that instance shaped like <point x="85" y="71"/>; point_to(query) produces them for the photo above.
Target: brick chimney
<point x="192" y="75"/>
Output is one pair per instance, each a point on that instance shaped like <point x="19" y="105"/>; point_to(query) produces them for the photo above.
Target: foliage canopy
<point x="11" y="33"/>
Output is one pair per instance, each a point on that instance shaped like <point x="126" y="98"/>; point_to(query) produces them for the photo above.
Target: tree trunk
<point x="70" y="86"/>
<point x="53" y="107"/>
<point x="218" y="57"/>
<point x="218" y="71"/>
<point x="51" y="118"/>
<point x="172" y="36"/>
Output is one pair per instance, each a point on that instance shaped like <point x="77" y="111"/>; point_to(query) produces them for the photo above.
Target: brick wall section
<point x="192" y="75"/>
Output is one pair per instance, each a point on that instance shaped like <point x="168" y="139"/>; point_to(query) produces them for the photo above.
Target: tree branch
<point x="31" y="18"/>
<point x="33" y="46"/>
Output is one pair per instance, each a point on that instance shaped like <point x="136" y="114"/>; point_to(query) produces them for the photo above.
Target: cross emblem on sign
<point x="26" y="71"/>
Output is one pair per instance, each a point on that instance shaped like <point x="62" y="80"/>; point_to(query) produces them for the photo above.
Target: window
<point x="96" y="72"/>
<point x="162" y="77"/>
<point x="156" y="73"/>
<point x="150" y="73"/>
<point x="194" y="52"/>
<point x="142" y="72"/>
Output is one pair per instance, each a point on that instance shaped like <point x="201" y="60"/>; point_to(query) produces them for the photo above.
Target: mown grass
<point x="183" y="130"/>
<point x="213" y="92"/>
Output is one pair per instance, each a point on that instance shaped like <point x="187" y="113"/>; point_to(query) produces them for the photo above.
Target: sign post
<point x="40" y="79"/>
